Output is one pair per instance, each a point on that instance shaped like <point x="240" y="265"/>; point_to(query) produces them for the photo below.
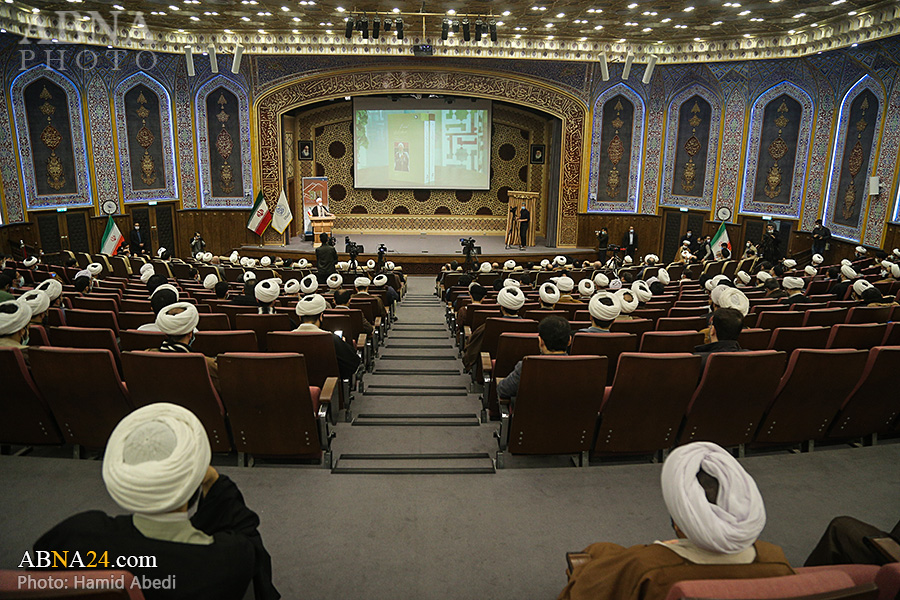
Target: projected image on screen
<point x="412" y="144"/>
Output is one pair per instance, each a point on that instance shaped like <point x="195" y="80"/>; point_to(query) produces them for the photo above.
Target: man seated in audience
<point x="793" y="286"/>
<point x="38" y="301"/>
<point x="15" y="317"/>
<point x="890" y="272"/>
<point x="266" y="293"/>
<point x="641" y="292"/>
<point x="847" y="275"/>
<point x="179" y="322"/>
<point x="83" y="283"/>
<point x="628" y="303"/>
<point x="859" y="286"/>
<point x="549" y="296"/>
<point x="724" y="329"/>
<point x="510" y="299"/>
<point x="717" y="513"/>
<point x="873" y="297"/>
<point x="163" y="296"/>
<point x="362" y="291"/>
<point x="54" y="289"/>
<point x="477" y="292"/>
<point x="310" y="309"/>
<point x="554" y="337"/>
<point x="342" y="302"/>
<point x="5" y="287"/>
<point x="566" y="284"/>
<point x="221" y="290"/>
<point x="381" y="281"/>
<point x="586" y="289"/>
<point x="248" y="298"/>
<point x="773" y="290"/>
<point x="153" y="281"/>
<point x="156" y="467"/>
<point x="604" y="309"/>
<point x="844" y="542"/>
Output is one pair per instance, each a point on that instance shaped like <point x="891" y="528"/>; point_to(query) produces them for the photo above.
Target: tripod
<point x="513" y="221"/>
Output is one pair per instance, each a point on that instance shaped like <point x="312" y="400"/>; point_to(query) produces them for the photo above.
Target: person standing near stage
<point x="602" y="244"/>
<point x="821" y="235"/>
<point x="524" y="219"/>
<point x="769" y="246"/>
<point x="630" y="242"/>
<point x="326" y="258"/>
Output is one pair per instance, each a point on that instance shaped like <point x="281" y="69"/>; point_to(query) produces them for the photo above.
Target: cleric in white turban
<point x="310" y="309"/>
<point x="15" y="317"/>
<point x="362" y="291"/>
<point x="549" y="295"/>
<point x="53" y="288"/>
<point x="510" y="299"/>
<point x="181" y="511"/>
<point x="266" y="292"/>
<point x="210" y="281"/>
<point x="38" y="301"/>
<point x="604" y="308"/>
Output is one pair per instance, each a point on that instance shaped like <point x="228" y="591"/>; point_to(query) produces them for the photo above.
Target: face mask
<point x="26" y="339"/>
<point x="21" y="282"/>
<point x="191" y="341"/>
<point x="883" y="273"/>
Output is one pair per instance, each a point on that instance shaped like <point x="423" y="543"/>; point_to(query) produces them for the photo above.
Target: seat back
<point x="335" y="322"/>
<point x="754" y="339"/>
<point x="551" y="420"/>
<point x="269" y="404"/>
<point x="636" y="418"/>
<point x="610" y="345"/>
<point x="134" y="305"/>
<point x="537" y="315"/>
<point x="213" y="322"/>
<point x="86" y="413"/>
<point x="788" y="339"/>
<point x="214" y="343"/>
<point x="731" y="418"/>
<point x="263" y="324"/>
<point x="682" y="323"/>
<point x="688" y="311"/>
<point x="871" y="407"/>
<point x="511" y="348"/>
<point x="181" y="379"/>
<point x="85" y="337"/>
<point x="132" y="339"/>
<point x="27" y="419"/>
<point x="670" y="341"/>
<point x="133" y="320"/>
<point x="356" y="321"/>
<point x="869" y="314"/>
<point x="820" y="585"/>
<point x="809" y="396"/>
<point x="318" y="346"/>
<point x="369" y="307"/>
<point x="37" y="336"/>
<point x="824" y="317"/>
<point x="653" y="314"/>
<point x="88" y="303"/>
<point x="87" y="584"/>
<point x="892" y="334"/>
<point x="232" y="310"/>
<point x="772" y="319"/>
<point x="636" y="326"/>
<point x="478" y="316"/>
<point x="861" y="336"/>
<point x="494" y="326"/>
<point x="93" y="318"/>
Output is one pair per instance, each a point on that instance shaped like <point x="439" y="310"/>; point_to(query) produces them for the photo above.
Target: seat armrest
<point x="886" y="546"/>
<point x="486" y="366"/>
<point x="575" y="560"/>
<point x="377" y="321"/>
<point x="503" y="434"/>
<point x="361" y="343"/>
<point x="503" y="401"/>
<point x="327" y="393"/>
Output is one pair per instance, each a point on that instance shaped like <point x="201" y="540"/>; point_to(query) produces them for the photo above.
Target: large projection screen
<point x="422" y="144"/>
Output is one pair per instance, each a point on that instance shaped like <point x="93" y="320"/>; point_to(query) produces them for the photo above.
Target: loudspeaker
<point x="423" y="50"/>
<point x="874" y="186"/>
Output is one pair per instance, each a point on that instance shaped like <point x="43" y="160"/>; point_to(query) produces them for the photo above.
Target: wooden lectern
<point x="516" y="199"/>
<point x="321" y="225"/>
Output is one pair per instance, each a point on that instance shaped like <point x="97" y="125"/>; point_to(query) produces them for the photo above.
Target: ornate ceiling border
<point x="269" y="107"/>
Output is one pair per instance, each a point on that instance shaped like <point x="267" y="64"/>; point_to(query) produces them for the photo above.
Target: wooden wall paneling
<point x="892" y="236"/>
<point x="648" y="228"/>
<point x="223" y="230"/>
<point x="13" y="233"/>
<point x="80" y="238"/>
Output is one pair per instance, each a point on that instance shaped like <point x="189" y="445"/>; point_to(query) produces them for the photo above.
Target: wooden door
<point x="675" y="224"/>
<point x="63" y="230"/>
<point x="162" y="226"/>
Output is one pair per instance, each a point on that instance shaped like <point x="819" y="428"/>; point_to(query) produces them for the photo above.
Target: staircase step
<point x="418" y="372"/>
<point x="417" y="420"/>
<point x="417" y="464"/>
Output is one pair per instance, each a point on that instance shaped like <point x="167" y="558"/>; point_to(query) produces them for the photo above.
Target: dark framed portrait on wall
<point x="537" y="154"/>
<point x="305" y="150"/>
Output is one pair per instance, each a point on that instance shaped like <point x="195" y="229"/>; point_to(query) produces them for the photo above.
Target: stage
<point x="422" y="253"/>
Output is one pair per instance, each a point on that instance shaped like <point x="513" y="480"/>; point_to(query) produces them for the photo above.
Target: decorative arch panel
<point x="53" y="153"/>
<point x="616" y="150"/>
<point x="853" y="158"/>
<point x="692" y="143"/>
<point x="146" y="140"/>
<point x="781" y="120"/>
<point x="223" y="143"/>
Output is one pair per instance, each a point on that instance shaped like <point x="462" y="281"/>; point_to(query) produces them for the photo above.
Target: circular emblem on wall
<point x="110" y="207"/>
<point x="724" y="213"/>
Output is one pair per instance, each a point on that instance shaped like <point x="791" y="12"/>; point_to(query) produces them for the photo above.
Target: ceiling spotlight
<point x="604" y="67"/>
<point x="467" y="33"/>
<point x="348" y="31"/>
<point x="376" y="27"/>
<point x="479" y="28"/>
<point x="364" y="27"/>
<point x="445" y="29"/>
<point x="629" y="58"/>
<point x="189" y="60"/>
<point x="388" y="24"/>
<point x="648" y="72"/>
<point x="492" y="28"/>
<point x="399" y="25"/>
<point x="213" y="62"/>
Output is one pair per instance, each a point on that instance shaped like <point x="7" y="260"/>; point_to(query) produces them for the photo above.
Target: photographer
<point x="602" y="243"/>
<point x="468" y="246"/>
<point x="326" y="258"/>
<point x="197" y="244"/>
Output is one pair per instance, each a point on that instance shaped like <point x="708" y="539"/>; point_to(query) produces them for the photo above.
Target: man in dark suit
<point x="326" y="258"/>
<point x="524" y="218"/>
<point x="725" y="327"/>
<point x="691" y="239"/>
<point x="136" y="242"/>
<point x="821" y="235"/>
<point x="602" y="244"/>
<point x="630" y="242"/>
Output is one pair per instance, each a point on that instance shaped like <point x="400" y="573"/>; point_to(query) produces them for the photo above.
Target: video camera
<point x="468" y="245"/>
<point x="352" y="248"/>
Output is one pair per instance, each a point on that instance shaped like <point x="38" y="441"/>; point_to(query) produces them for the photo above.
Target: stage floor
<point x="423" y="253"/>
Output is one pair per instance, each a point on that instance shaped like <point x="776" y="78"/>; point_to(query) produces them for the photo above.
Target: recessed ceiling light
<point x="697" y="40"/>
<point x="792" y="31"/>
<point x="632" y="5"/>
<point x="548" y="25"/>
<point x="598" y="27"/>
<point x="851" y="13"/>
<point x="715" y="23"/>
<point x="118" y="7"/>
<point x="774" y="1"/>
<point x="799" y="15"/>
<point x="681" y="27"/>
<point x="173" y="7"/>
<point x="228" y="31"/>
<point x="501" y="23"/>
<point x="836" y="2"/>
<point x="814" y="25"/>
<point x="757" y="19"/>
<point x="506" y="13"/>
<point x="621" y="41"/>
<point x="340" y="9"/>
<point x="549" y="37"/>
<point x="245" y="18"/>
<point x="296" y="19"/>
<point x="743" y="13"/>
<point x="854" y="45"/>
<point x="631" y="24"/>
<point x="518" y="35"/>
<point x="646" y="29"/>
<point x="195" y="18"/>
<point x="688" y="8"/>
<point x="582" y="39"/>
<point x="560" y="15"/>
<point x="666" y="20"/>
<point x="262" y="31"/>
<point x="746" y="35"/>
<point x="395" y="9"/>
<point x="451" y="12"/>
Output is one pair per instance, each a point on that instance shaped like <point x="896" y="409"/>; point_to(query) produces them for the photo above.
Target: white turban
<point x="37" y="300"/>
<point x="628" y="260"/>
<point x="716" y="294"/>
<point x="664" y="277"/>
<point x="615" y="284"/>
<point x="370" y="263"/>
<point x="789" y="263"/>
<point x="896" y="251"/>
<point x="52" y="287"/>
<point x="735" y="521"/>
<point x="848" y="272"/>
<point x="334" y="281"/>
<point x="846" y="263"/>
<point x="156" y="458"/>
<point x="651" y="259"/>
<point x="565" y="283"/>
<point x="362" y="282"/>
<point x="95" y="268"/>
<point x="509" y="265"/>
<point x="763" y="276"/>
<point x="198" y="257"/>
<point x="30" y="261"/>
<point x="861" y="285"/>
<point x="302" y="263"/>
<point x="716" y="280"/>
<point x="641" y="291"/>
<point x="709" y="285"/>
<point x="165" y="286"/>
<point x="234" y="257"/>
<point x="160" y="251"/>
<point x="485" y="267"/>
<point x="586" y="287"/>
<point x="685" y="254"/>
<point x="510" y="282"/>
<point x="146" y="267"/>
<point x="810" y="270"/>
<point x="559" y="260"/>
<point x="210" y="281"/>
<point x="895" y="271"/>
<point x="267" y="290"/>
<point x="313" y="304"/>
<point x="817" y="259"/>
<point x="511" y="298"/>
<point x="628" y="306"/>
<point x="860" y="250"/>
<point x="736" y="299"/>
<point x="744" y="276"/>
<point x="545" y="263"/>
<point x="310" y="284"/>
<point x="248" y="276"/>
<point x="207" y="256"/>
<point x="341" y="266"/>
<point x="146" y="275"/>
<point x="291" y="286"/>
<point x="886" y="265"/>
<point x="604" y="306"/>
<point x="179" y="324"/>
<point x="379" y="280"/>
<point x="389" y="265"/>
<point x="14" y="316"/>
<point x="792" y="283"/>
<point x="265" y="261"/>
<point x="600" y="280"/>
<point x="549" y="293"/>
<point x="246" y="262"/>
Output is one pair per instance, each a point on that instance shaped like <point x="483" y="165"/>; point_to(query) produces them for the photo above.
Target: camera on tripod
<point x="352" y="248"/>
<point x="382" y="249"/>
<point x="468" y="245"/>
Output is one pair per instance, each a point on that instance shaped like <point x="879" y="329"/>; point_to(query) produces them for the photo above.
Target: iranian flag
<point x="717" y="241"/>
<point x="112" y="238"/>
<point x="260" y="216"/>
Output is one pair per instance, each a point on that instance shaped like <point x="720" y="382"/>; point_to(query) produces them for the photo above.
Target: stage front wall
<point x="438" y="211"/>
